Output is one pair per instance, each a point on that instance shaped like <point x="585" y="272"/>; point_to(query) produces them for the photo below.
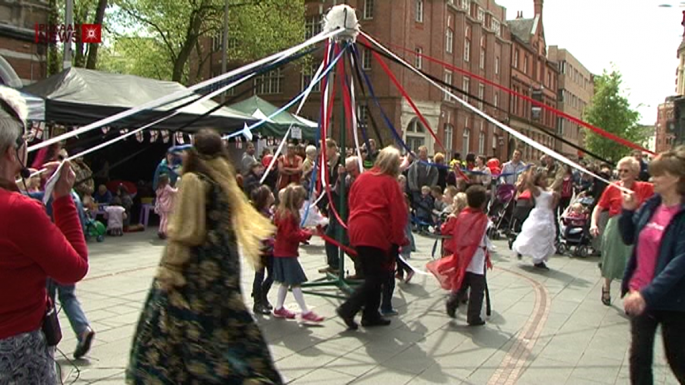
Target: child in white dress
<point x="538" y="232"/>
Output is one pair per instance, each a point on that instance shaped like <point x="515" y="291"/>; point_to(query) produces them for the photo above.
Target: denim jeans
<point x="70" y="306"/>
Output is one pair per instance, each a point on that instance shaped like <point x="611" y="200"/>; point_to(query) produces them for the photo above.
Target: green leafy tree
<point x="181" y="32"/>
<point x="610" y="110"/>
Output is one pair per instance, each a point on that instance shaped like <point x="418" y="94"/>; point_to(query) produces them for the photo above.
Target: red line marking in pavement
<point x="514" y="361"/>
<point x="118" y="273"/>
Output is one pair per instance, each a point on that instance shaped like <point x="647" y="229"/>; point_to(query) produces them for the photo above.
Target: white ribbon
<point x="510" y="130"/>
<point x="186" y="92"/>
<point x="353" y="101"/>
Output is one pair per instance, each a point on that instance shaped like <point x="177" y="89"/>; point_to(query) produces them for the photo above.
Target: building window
<point x="416" y="127"/>
<point x="449" y="137"/>
<point x="495" y="99"/>
<point x="496" y="26"/>
<point x="362" y="115"/>
<point x="482" y="58"/>
<point x="312" y="26"/>
<point x="466" y="139"/>
<point x="418" y="62"/>
<point x="217" y="41"/>
<point x="467" y="49"/>
<point x="516" y="58"/>
<point x="368" y="9"/>
<point x="481" y="95"/>
<point x="549" y="79"/>
<point x="562" y="67"/>
<point x="449" y="40"/>
<point x="481" y="14"/>
<point x="419" y="11"/>
<point x="466" y="4"/>
<point x="366" y="59"/>
<point x="269" y="83"/>
<point x="481" y="141"/>
<point x="448" y="80"/>
<point x="466" y="85"/>
<point x="308" y="76"/>
<point x="525" y="64"/>
<point x="415" y="136"/>
<point x="496" y="65"/>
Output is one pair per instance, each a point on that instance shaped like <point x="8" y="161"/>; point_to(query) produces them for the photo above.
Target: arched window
<point x="449" y="137"/>
<point x="415" y="135"/>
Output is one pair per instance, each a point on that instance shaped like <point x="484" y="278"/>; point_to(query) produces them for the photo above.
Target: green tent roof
<point x="279" y="124"/>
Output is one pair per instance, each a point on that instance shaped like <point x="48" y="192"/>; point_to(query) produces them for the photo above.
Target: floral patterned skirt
<point x="194" y="336"/>
<point x="27" y="359"/>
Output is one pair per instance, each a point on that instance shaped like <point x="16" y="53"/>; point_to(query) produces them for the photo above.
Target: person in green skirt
<point x="615" y="253"/>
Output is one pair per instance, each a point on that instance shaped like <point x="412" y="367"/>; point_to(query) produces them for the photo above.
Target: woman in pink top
<point x="165" y="203"/>
<point x="654" y="281"/>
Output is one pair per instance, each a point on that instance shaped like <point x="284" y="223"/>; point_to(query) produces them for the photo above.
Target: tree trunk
<point x="188" y="44"/>
<point x="93" y="48"/>
<point x="52" y="57"/>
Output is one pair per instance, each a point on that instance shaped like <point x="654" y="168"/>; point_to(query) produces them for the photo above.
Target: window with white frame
<point x="481" y="14"/>
<point x="366" y="59"/>
<point x="525" y="64"/>
<point x="449" y="40"/>
<point x="312" y="26"/>
<point x="481" y="142"/>
<point x="466" y="141"/>
<point x="449" y="137"/>
<point x="496" y="65"/>
<point x="307" y="77"/>
<point x="217" y="41"/>
<point x="419" y="11"/>
<point x="466" y="86"/>
<point x="481" y="95"/>
<point x="516" y="59"/>
<point x="467" y="49"/>
<point x="497" y="27"/>
<point x="269" y="83"/>
<point x="466" y="4"/>
<point x="495" y="99"/>
<point x="363" y="115"/>
<point x="368" y="9"/>
<point x="482" y="58"/>
<point x="418" y="61"/>
<point x="415" y="135"/>
<point x="448" y="80"/>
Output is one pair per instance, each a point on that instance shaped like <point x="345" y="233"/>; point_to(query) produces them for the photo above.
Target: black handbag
<point x="51" y="328"/>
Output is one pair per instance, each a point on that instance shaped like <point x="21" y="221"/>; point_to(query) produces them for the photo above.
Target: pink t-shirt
<point x="648" y="246"/>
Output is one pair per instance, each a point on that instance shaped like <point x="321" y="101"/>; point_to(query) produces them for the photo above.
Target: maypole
<point x="340" y="17"/>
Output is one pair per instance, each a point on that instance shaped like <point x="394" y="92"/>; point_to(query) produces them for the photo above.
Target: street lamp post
<point x="224" y="47"/>
<point x="69" y="16"/>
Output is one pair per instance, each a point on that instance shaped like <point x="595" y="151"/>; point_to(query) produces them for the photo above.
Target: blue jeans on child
<point x="70" y="305"/>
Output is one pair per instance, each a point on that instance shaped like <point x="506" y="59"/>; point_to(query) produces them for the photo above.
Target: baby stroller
<point x="499" y="211"/>
<point x="94" y="229"/>
<point x="574" y="231"/>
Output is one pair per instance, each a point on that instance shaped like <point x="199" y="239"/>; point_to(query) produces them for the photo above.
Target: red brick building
<point x="22" y="61"/>
<point x="665" y="125"/>
<point x="533" y="75"/>
<point x="465" y="33"/>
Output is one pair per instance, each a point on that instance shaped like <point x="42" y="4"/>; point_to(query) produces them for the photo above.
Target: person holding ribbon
<point x="614" y="251"/>
<point x="654" y="281"/>
<point x="26" y="260"/>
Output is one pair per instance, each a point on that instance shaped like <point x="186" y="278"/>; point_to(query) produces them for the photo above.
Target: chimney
<point x="538" y="7"/>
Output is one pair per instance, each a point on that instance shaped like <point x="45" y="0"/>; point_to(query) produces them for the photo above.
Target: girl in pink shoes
<point x="164" y="203"/>
<point x="287" y="269"/>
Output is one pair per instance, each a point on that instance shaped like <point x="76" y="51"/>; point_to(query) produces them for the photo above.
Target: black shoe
<point x="258" y="308"/>
<point x="348" y="319"/>
<point x="380" y="321"/>
<point x="541" y="266"/>
<point x="478" y="322"/>
<point x="519" y="256"/>
<point x="83" y="346"/>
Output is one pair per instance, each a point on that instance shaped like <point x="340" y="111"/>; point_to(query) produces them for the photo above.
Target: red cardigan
<point x="32" y="248"/>
<point x="378" y="214"/>
<point x="289" y="235"/>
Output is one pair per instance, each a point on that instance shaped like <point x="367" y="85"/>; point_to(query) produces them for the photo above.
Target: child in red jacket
<point x="287" y="269"/>
<point x="447" y="228"/>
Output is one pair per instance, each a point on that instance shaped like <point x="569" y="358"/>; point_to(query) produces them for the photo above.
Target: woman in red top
<point x="289" y="168"/>
<point x="32" y="249"/>
<point x="378" y="216"/>
<point x="615" y="253"/>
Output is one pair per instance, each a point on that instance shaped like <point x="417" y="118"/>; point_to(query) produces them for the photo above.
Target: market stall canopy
<point x="78" y="96"/>
<point x="279" y="124"/>
<point x="35" y="104"/>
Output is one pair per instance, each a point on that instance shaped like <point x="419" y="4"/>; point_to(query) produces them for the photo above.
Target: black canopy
<point x="78" y="96"/>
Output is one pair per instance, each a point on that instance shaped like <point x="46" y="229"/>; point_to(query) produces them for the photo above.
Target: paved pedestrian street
<point x="545" y="328"/>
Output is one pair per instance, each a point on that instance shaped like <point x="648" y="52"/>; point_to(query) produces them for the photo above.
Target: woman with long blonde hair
<point x="195" y="327"/>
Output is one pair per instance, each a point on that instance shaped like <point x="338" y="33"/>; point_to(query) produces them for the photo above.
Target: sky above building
<point x="637" y="36"/>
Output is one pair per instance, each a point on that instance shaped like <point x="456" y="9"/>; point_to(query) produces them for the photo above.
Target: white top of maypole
<point x="342" y="17"/>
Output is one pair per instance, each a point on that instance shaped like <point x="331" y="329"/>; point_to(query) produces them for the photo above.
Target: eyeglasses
<point x="623" y="170"/>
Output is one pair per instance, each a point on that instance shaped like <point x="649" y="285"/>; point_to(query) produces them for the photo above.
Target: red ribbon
<point x="335" y="243"/>
<point x="597" y="130"/>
